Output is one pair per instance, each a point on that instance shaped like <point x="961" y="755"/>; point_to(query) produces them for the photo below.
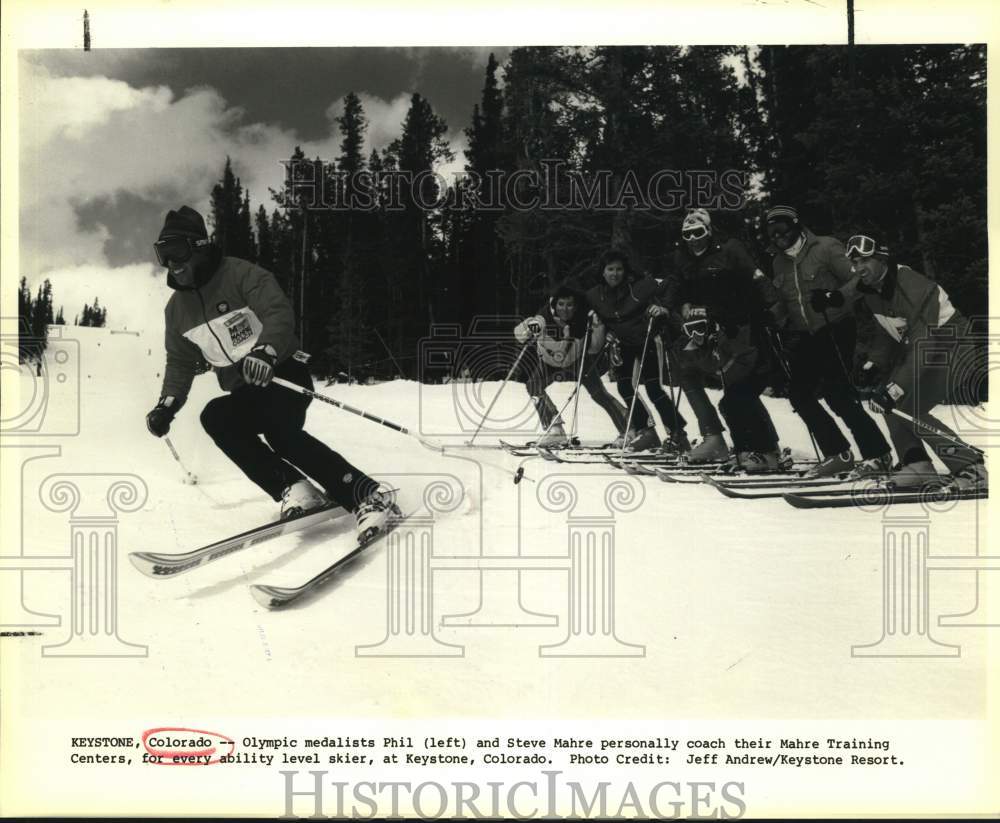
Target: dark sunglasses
<point x="176" y="249"/>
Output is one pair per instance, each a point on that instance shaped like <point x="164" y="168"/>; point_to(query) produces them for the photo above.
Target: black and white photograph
<point x="457" y="411"/>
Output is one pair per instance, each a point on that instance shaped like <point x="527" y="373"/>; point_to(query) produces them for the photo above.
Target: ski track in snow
<point x="746" y="608"/>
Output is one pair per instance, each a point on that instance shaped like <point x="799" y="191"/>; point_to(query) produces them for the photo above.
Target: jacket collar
<point x="887" y="287"/>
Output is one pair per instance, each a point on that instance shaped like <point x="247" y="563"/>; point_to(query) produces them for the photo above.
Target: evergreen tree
<point x="27" y="349"/>
<point x="265" y="242"/>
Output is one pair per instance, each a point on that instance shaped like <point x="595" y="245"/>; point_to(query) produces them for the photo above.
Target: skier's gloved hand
<point x="535" y="328"/>
<point x="823" y="299"/>
<point x="884" y="400"/>
<point x="656" y="311"/>
<point x="159" y="419"/>
<point x="258" y="365"/>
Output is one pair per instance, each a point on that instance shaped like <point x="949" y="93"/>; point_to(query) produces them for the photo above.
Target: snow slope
<point x="746" y="609"/>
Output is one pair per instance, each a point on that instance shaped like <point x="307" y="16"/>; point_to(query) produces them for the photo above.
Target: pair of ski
<point x="845" y="492"/>
<point x="159" y="566"/>
<point x="827" y="492"/>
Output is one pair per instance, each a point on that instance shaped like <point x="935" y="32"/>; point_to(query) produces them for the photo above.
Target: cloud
<point x="102" y="161"/>
<point x="88" y="143"/>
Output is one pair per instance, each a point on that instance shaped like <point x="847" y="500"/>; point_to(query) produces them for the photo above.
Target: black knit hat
<point x="185" y="222"/>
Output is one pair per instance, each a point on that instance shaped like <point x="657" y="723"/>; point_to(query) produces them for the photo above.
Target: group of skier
<point x="714" y="313"/>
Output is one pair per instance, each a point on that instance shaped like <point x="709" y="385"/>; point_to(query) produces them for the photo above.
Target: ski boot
<point x="643" y="439"/>
<point x="374" y="513"/>
<point x="759" y="462"/>
<point x="300" y="497"/>
<point x="971" y="478"/>
<point x="832" y="466"/>
<point x="676" y="444"/>
<point x="874" y="467"/>
<point x="914" y="475"/>
<point x="554" y="438"/>
<point x="712" y="449"/>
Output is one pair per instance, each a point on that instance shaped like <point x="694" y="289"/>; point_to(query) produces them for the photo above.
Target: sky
<point x="111" y="139"/>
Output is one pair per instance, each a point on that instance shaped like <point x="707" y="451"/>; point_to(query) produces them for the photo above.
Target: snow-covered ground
<point x="745" y="609"/>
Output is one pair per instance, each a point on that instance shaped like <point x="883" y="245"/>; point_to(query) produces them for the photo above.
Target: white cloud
<point x="84" y="139"/>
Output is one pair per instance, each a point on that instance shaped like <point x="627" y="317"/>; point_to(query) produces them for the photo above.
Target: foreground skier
<point x="234" y="315"/>
<point x="559" y="330"/>
<point x="910" y="365"/>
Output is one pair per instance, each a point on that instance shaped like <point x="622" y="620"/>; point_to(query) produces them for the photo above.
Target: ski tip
<point x="266" y="596"/>
<point x="143" y="562"/>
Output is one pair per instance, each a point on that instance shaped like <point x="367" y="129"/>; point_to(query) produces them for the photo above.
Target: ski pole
<point x="430" y="444"/>
<point x="189" y="477"/>
<point x="496" y="397"/>
<point x="953" y="439"/>
<point x="776" y="350"/>
<point x="579" y="379"/>
<point x="636" y="378"/>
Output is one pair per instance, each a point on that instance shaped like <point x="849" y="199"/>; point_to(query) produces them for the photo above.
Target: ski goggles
<point x="694" y="233"/>
<point x="176" y="249"/>
<point x="861" y="245"/>
<point x="696" y="331"/>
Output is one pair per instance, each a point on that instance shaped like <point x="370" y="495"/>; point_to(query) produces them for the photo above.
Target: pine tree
<point x="60" y="319"/>
<point x="27" y="349"/>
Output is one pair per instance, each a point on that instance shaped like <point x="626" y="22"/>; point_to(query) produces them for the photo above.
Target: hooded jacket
<point x="560" y="343"/>
<point x="232" y="307"/>
<point x="910" y="309"/>
<point x="819" y="264"/>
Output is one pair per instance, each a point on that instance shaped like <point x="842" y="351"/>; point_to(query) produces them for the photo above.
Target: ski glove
<point x="884" y="400"/>
<point x="258" y="365"/>
<point x="535" y="328"/>
<point x="159" y="419"/>
<point x="656" y="311"/>
<point x="823" y="299"/>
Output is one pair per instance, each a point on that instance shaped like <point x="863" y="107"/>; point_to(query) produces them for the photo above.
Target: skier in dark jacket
<point x="622" y="300"/>
<point x="912" y="364"/>
<point x="559" y="331"/>
<point x="714" y="293"/>
<point x="233" y="315"/>
<point x="818" y="293"/>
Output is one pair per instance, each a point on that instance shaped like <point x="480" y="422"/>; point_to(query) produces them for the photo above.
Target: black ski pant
<point x="649" y="377"/>
<point x="692" y="382"/>
<point x="817" y="365"/>
<point x="237" y="421"/>
<point x="933" y="378"/>
<point x="749" y="423"/>
<point x="537" y="376"/>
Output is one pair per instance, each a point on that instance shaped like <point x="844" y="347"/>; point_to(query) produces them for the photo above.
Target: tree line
<point x="35" y="315"/>
<point x="883" y="138"/>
